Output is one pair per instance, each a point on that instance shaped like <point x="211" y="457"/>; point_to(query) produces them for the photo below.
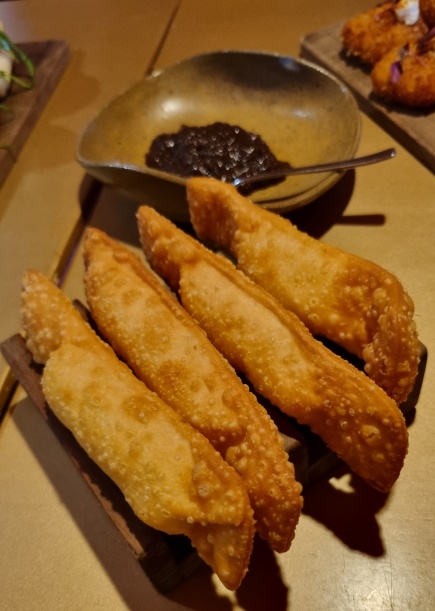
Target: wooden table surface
<point x="354" y="548"/>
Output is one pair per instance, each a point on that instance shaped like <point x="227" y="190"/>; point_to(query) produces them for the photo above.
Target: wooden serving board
<point x="50" y="59"/>
<point x="415" y="130"/>
<point x="169" y="560"/>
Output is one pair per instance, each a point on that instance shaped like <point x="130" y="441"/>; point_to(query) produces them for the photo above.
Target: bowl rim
<point x="326" y="180"/>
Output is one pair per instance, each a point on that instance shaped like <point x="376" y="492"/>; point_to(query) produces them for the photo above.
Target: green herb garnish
<point x="18" y="56"/>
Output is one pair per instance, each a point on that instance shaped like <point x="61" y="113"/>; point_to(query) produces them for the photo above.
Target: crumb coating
<point x="372" y="34"/>
<point x="406" y="75"/>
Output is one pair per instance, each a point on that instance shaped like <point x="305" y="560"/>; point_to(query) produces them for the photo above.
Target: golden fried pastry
<point x="407" y="75"/>
<point x="340" y="296"/>
<point x="370" y="35"/>
<point x="167" y="350"/>
<point x="427" y="9"/>
<point x="277" y="353"/>
<point x="171" y="476"/>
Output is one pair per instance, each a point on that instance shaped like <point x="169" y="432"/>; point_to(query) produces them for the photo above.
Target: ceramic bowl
<point x="305" y="115"/>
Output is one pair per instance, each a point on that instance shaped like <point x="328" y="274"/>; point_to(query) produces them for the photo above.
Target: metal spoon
<point x="323" y="167"/>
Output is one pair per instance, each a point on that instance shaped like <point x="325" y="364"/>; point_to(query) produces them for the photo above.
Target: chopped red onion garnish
<point x="395" y="72"/>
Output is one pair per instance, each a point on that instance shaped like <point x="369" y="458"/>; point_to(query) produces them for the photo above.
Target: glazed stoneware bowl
<point x="304" y="114"/>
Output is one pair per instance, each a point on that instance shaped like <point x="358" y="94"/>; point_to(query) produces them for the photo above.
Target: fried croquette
<point x="372" y="34"/>
<point x="407" y="75"/>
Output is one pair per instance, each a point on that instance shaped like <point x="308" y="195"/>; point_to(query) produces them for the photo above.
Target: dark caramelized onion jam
<point x="218" y="150"/>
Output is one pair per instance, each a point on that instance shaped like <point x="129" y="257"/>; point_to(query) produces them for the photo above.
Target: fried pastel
<point x="171" y="476"/>
<point x="406" y="75"/>
<point x="349" y="300"/>
<point x="171" y="354"/>
<point x="277" y="353"/>
<point x="372" y="34"/>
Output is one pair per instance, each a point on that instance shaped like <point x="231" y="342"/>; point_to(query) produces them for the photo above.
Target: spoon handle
<point x="323" y="167"/>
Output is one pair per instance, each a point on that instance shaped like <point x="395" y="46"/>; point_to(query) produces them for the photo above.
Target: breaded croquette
<point x="372" y="34"/>
<point x="407" y="75"/>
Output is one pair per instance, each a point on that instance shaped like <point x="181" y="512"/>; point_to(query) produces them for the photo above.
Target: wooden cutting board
<point x="50" y="59"/>
<point x="415" y="130"/>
